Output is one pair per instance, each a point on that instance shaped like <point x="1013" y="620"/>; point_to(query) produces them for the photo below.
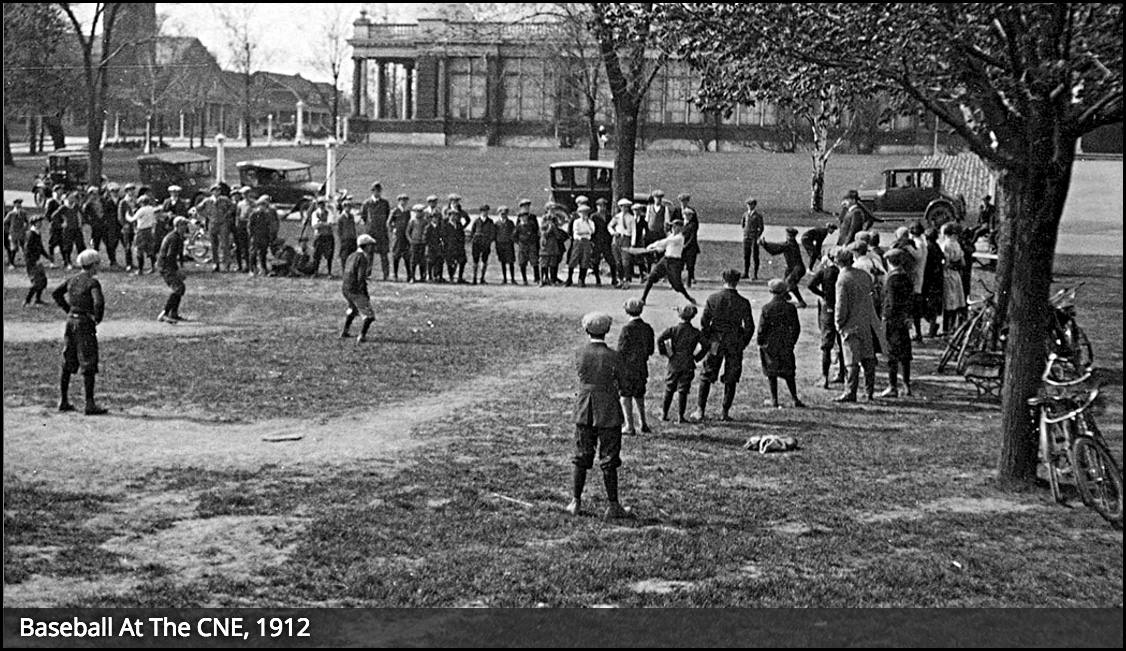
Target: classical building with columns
<point x="449" y="79"/>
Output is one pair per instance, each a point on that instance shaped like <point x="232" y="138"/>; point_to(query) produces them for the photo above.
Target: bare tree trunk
<point x="32" y="136"/>
<point x="625" y="151"/>
<point x="1034" y="204"/>
<point x="817" y="184"/>
<point x="8" y="158"/>
<point x="54" y="124"/>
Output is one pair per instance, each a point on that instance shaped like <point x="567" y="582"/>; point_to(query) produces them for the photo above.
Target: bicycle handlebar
<point x="1047" y="376"/>
<point x="1092" y="395"/>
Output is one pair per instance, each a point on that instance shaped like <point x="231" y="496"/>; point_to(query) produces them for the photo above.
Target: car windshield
<point x="294" y="176"/>
<point x="200" y="168"/>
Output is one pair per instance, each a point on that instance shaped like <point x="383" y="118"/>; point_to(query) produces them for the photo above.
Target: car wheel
<point x="939" y="215"/>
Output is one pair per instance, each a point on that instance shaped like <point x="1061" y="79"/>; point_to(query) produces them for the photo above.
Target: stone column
<point x="408" y="112"/>
<point x="181" y="125"/>
<point x="269" y="128"/>
<point x="359" y="71"/>
<point x="330" y="168"/>
<point x="377" y="95"/>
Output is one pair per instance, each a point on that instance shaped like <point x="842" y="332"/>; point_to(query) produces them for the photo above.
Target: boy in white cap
<point x="684" y="346"/>
<point x="671" y="264"/>
<point x="416" y="235"/>
<point x="397" y="236"/>
<point x="80" y="296"/>
<point x="528" y="241"/>
<point x="33" y="252"/>
<point x="15" y="231"/>
<point x="597" y="416"/>
<point x="355" y="287"/>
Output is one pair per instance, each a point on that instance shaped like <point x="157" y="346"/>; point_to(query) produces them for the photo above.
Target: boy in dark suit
<point x="635" y="346"/>
<point x="778" y="330"/>
<point x="680" y="343"/>
<point x="597" y="416"/>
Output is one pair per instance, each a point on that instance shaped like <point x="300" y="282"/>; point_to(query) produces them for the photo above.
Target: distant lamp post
<point x="220" y="158"/>
<point x="270" y="129"/>
<point x="299" y="134"/>
<point x="330" y="167"/>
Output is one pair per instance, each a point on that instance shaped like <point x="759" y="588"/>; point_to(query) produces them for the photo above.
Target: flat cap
<point x="88" y="258"/>
<point x="364" y="240"/>
<point x="777" y="286"/>
<point x="597" y="323"/>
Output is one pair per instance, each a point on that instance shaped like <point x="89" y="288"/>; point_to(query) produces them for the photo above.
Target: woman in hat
<point x="778" y="330"/>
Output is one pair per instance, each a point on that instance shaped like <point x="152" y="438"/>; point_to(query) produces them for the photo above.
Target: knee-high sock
<point x="88" y="385"/>
<point x="578" y="481"/>
<point x="610" y="478"/>
<point x="728" y="396"/>
<point x="64" y="388"/>
<point x="702" y="398"/>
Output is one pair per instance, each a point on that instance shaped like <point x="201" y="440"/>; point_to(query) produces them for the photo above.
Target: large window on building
<point x="526" y="90"/>
<point x="467" y="88"/>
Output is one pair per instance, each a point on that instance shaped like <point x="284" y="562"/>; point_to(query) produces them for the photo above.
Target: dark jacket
<point x="171" y="248"/>
<point x="635" y="346"/>
<point x="898" y="299"/>
<point x="824" y="284"/>
<point x="791" y="251"/>
<point x="778" y="330"/>
<point x="598" y="370"/>
<point x="727" y="320"/>
<point x="356" y="270"/>
<point x="680" y="343"/>
<point x="81" y="295"/>
<point x="374" y="213"/>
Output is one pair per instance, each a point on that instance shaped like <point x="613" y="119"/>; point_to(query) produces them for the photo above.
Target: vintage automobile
<point x="68" y="168"/>
<point x="913" y="193"/>
<point x="287" y="182"/>
<point x="593" y="179"/>
<point x="191" y="171"/>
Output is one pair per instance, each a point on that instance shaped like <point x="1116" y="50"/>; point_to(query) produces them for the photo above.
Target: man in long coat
<point x="858" y="325"/>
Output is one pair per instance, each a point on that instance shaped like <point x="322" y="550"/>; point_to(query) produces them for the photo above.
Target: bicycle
<point x="974" y="335"/>
<point x="1071" y="443"/>
<point x="1068" y="340"/>
<point x="197" y="245"/>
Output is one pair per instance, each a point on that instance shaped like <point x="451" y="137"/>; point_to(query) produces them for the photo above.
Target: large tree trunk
<point x="1034" y="204"/>
<point x="591" y="114"/>
<point x="32" y="136"/>
<point x="817" y="184"/>
<point x="54" y="125"/>
<point x="8" y="158"/>
<point x="95" y="123"/>
<point x="625" y="134"/>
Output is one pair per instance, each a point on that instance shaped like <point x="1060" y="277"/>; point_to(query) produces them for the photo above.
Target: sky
<point x="289" y="30"/>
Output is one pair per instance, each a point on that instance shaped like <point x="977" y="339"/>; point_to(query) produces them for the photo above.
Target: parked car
<point x="191" y="171"/>
<point x="593" y="179"/>
<point x="68" y="168"/>
<point x="913" y="193"/>
<point x="286" y="181"/>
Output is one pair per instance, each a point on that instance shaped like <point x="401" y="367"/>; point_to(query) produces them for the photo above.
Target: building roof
<point x="282" y="164"/>
<point x="599" y="164"/>
<point x="174" y="157"/>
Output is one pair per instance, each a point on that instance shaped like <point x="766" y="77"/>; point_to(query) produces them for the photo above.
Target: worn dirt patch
<point x="799" y="528"/>
<point x="971" y="505"/>
<point x="232" y="547"/>
<point x="23" y="332"/>
<point x="48" y="591"/>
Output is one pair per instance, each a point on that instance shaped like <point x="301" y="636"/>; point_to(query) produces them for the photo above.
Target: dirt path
<point x="103" y="453"/>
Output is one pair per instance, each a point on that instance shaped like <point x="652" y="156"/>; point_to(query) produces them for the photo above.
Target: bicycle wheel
<point x="1051" y="455"/>
<point x="955" y="344"/>
<point x="1099" y="479"/>
<point x="972" y="342"/>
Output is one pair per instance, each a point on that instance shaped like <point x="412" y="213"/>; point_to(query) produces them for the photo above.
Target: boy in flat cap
<point x="453" y="241"/>
<point x="168" y="263"/>
<point x="684" y="346"/>
<point x="355" y="287"/>
<point x="551" y="248"/>
<point x="397" y="235"/>
<point x="416" y="235"/>
<point x="753" y="229"/>
<point x="795" y="266"/>
<point x="374" y="213"/>
<point x="778" y="330"/>
<point x="80" y="296"/>
<point x="483" y="233"/>
<point x="635" y="346"/>
<point x="32" y="254"/>
<point x="506" y="245"/>
<point x="728" y="326"/>
<point x="597" y="416"/>
<point x="528" y="241"/>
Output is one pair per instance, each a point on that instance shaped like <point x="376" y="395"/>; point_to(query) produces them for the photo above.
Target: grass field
<point x="719" y="182"/>
<point x="434" y="466"/>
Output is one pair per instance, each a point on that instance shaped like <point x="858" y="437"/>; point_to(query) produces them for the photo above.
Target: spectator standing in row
<point x="416" y="236"/>
<point x="346" y="230"/>
<point x="320" y="221"/>
<point x="778" y="331"/>
<point x="397" y="223"/>
<point x="551" y="248"/>
<point x="219" y="215"/>
<point x="483" y="232"/>
<point x="168" y="260"/>
<point x="753" y="228"/>
<point x="453" y="242"/>
<point x="435" y="246"/>
<point x="656" y="217"/>
<point x="853" y="219"/>
<point x="111" y="227"/>
<point x="933" y="281"/>
<point x="728" y="326"/>
<point x="623" y="227"/>
<point x="823" y="284"/>
<point x="54" y="220"/>
<point x="795" y="267"/>
<point x="684" y="346"/>
<point x="506" y="245"/>
<point x="635" y="346"/>
<point x="92" y="216"/>
<point x="528" y="241"/>
<point x="374" y="214"/>
<point x="70" y="217"/>
<point x="144" y="244"/>
<point x="602" y="243"/>
<point x="240" y="234"/>
<point x="898" y="292"/>
<point x="953" y="296"/>
<point x="582" y="245"/>
<point x="813" y="241"/>
<point x="261" y="234"/>
<point x="857" y="322"/>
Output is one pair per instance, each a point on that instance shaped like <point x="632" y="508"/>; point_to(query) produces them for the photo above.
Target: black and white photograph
<point x="808" y="307"/>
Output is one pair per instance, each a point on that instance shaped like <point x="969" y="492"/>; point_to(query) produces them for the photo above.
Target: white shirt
<point x="582" y="229"/>
<point x="145" y="217"/>
<point x="920" y="253"/>
<point x="624" y="224"/>
<point x="673" y="246"/>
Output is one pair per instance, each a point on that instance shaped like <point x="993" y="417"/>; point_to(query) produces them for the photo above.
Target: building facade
<point x="449" y="80"/>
